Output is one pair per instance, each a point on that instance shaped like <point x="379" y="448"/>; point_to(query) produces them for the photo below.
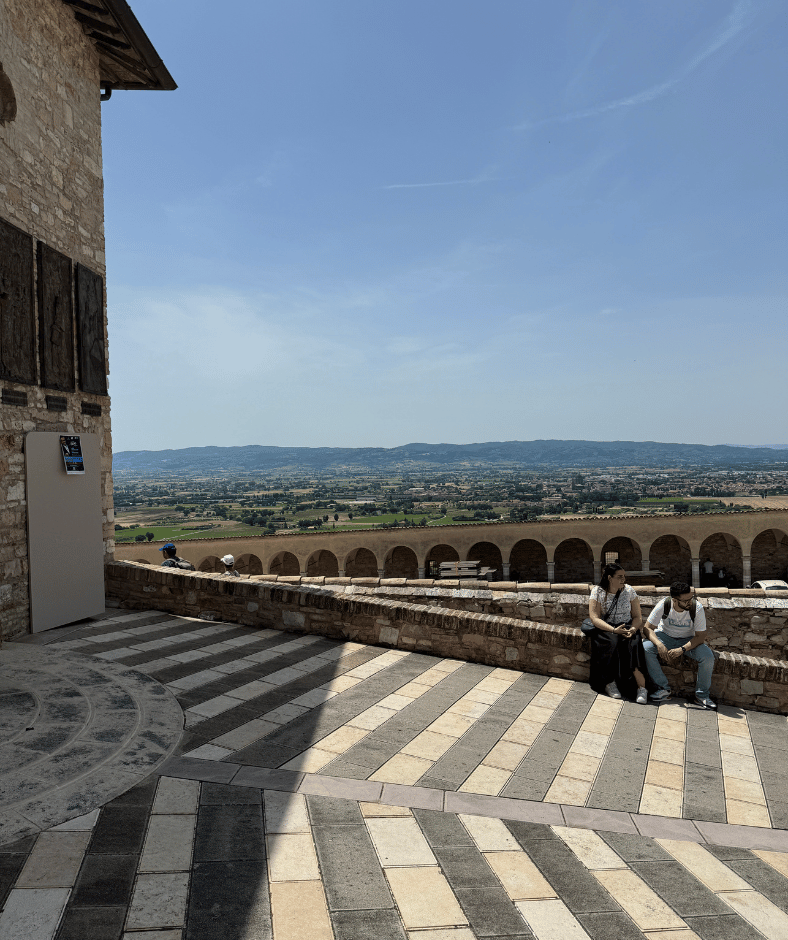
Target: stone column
<point x="506" y="567"/>
<point x="597" y="571"/>
<point x="746" y="575"/>
<point x="341" y="573"/>
<point x="644" y="564"/>
<point x="381" y="572"/>
<point x="696" y="572"/>
<point x="421" y="573"/>
<point x="551" y="571"/>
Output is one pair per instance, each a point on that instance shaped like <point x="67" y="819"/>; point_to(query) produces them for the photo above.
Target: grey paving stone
<point x="347" y="770"/>
<point x="688" y="896"/>
<point x="326" y="811"/>
<point x="442" y="829"/>
<point x="10" y="866"/>
<point x="723" y="927"/>
<point x="454" y="767"/>
<point x="542" y="772"/>
<point x="265" y="779"/>
<point x="104" y="880"/>
<point x="266" y="754"/>
<point x="610" y="925"/>
<point x="704" y="753"/>
<point x="396" y="794"/>
<point x="525" y="788"/>
<point x="364" y="925"/>
<point x="635" y="848"/>
<point x="225" y="794"/>
<point x="491" y="913"/>
<point x="748" y="837"/>
<point x="778" y="813"/>
<point x="229" y="899"/>
<point x="229" y="833"/>
<point x="530" y="832"/>
<point x="96" y="923"/>
<point x="775" y="786"/>
<point x="551" y="747"/>
<point x="665" y="827"/>
<point x="120" y="830"/>
<point x="727" y="853"/>
<point x="140" y="795"/>
<point x="19" y="846"/>
<point x="465" y="867"/>
<point x="582" y="817"/>
<point x="352" y="876"/>
<point x="702" y="723"/>
<point x="499" y="807"/>
<point x="771" y="760"/>
<point x="342" y="787"/>
<point x="763" y="878"/>
<point x="190" y="768"/>
<point x="704" y="793"/>
<point x="573" y="882"/>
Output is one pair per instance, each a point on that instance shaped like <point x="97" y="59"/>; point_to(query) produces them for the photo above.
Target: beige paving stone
<point x="605" y="707"/>
<point x="209" y="752"/>
<point x="568" y="790"/>
<point x="673" y="730"/>
<point x="704" y="866"/>
<point x="672" y="935"/>
<point x="340" y="684"/>
<point x="733" y="744"/>
<point x="747" y="814"/>
<point x="55" y="860"/>
<point x="429" y="745"/>
<point x="341" y="739"/>
<point x="602" y="725"/>
<point x="159" y="901"/>
<point x="285" y="812"/>
<point x="451" y="724"/>
<point x="667" y="751"/>
<point x="447" y="665"/>
<point x="424" y="898"/>
<point x="214" y="706"/>
<point x="402" y="768"/>
<point x="579" y="766"/>
<point x="746" y="791"/>
<point x="661" y="801"/>
<point x="734" y="726"/>
<point x="535" y="713"/>
<point x="78" y="823"/>
<point x="644" y="907"/>
<point x="673" y="711"/>
<point x="310" y="761"/>
<point x="246" y="734"/>
<point x="32" y="913"/>
<point x="168" y="843"/>
<point x="506" y="755"/>
<point x="175" y="934"/>
<point x="490" y="835"/>
<point x="396" y="701"/>
<point x="546" y="699"/>
<point x="442" y="933"/>
<point x="399" y="842"/>
<point x="414" y="689"/>
<point x="523" y="732"/>
<point x="251" y="690"/>
<point x="382" y="809"/>
<point x="471" y="709"/>
<point x="489" y="780"/>
<point x="299" y="911"/>
<point x="590" y="744"/>
<point x="509" y="676"/>
<point x="561" y="686"/>
<point x="176" y="796"/>
<point x="760" y="912"/>
<point x="660" y="774"/>
<point x="551" y="920"/>
<point x="490" y="684"/>
<point x="372" y="718"/>
<point x="314" y="698"/>
<point x="521" y="879"/>
<point x="371" y="668"/>
<point x="431" y="677"/>
<point x="291" y="857"/>
<point x="592" y="850"/>
<point x="479" y="695"/>
<point x="778" y="860"/>
<point x="739" y="766"/>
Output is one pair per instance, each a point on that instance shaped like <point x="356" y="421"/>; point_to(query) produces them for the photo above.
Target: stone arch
<point x="488" y="554"/>
<point x="436" y="555"/>
<point x="361" y="563"/>
<point x="528" y="561"/>
<point x="322" y="564"/>
<point x="725" y="552"/>
<point x="769" y="555"/>
<point x="285" y="563"/>
<point x="671" y="555"/>
<point x="401" y="562"/>
<point x="249" y="564"/>
<point x="629" y="555"/>
<point x="574" y="562"/>
<point x="211" y="563"/>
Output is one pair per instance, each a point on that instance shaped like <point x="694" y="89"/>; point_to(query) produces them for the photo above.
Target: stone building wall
<point x="51" y="189"/>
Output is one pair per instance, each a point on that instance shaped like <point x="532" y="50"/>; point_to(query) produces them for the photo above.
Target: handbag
<point x="588" y="626"/>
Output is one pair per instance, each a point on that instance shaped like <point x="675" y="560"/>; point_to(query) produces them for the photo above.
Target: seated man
<point x="674" y="628"/>
<point x="171" y="560"/>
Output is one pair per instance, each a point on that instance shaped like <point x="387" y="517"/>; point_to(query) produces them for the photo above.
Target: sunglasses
<point x="684" y="603"/>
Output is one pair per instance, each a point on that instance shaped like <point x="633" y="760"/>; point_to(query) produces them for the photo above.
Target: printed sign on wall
<point x="71" y="446"/>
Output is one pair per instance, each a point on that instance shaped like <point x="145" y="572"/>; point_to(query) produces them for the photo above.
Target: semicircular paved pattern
<point x="74" y="733"/>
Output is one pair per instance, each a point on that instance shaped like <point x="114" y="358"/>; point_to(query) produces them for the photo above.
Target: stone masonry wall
<point x="308" y="605"/>
<point x="51" y="188"/>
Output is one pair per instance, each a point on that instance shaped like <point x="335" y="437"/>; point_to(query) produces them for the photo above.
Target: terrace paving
<point x="329" y="789"/>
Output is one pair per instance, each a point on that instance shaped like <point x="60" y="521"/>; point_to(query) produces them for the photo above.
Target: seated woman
<point x="618" y="662"/>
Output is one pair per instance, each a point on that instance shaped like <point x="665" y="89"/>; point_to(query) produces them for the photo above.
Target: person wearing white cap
<point x="228" y="561"/>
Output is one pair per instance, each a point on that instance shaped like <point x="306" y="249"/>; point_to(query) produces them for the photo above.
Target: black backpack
<point x="182" y="564"/>
<point x="666" y="609"/>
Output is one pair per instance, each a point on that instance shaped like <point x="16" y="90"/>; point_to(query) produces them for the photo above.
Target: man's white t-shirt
<point x="677" y="624"/>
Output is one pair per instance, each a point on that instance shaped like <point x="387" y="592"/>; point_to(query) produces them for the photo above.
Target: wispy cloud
<point x="485" y="177"/>
<point x="734" y="24"/>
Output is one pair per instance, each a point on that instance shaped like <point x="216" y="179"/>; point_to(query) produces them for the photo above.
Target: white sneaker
<point x="642" y="696"/>
<point x="705" y="701"/>
<point x="660" y="695"/>
<point x="611" y="689"/>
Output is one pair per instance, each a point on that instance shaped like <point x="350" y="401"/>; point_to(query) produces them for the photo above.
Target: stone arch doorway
<point x="574" y="562"/>
<point x="769" y="555"/>
<point x="285" y="564"/>
<point x="401" y="562"/>
<point x="725" y="553"/>
<point x="322" y="564"/>
<point x="489" y="555"/>
<point x="627" y="550"/>
<point x="361" y="563"/>
<point x="211" y="563"/>
<point x="671" y="555"/>
<point x="436" y="555"/>
<point x="248" y="564"/>
<point x="528" y="561"/>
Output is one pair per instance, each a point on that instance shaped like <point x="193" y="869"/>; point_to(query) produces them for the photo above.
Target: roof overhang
<point x="127" y="59"/>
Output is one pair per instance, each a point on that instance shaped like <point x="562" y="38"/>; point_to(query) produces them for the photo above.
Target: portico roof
<point x="127" y="57"/>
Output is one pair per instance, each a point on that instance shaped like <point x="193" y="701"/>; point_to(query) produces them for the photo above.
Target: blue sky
<point x="366" y="224"/>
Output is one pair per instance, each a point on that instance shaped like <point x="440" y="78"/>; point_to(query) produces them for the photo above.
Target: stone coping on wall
<point x="315" y="606"/>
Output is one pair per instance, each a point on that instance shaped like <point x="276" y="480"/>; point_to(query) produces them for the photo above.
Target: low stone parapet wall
<point x="329" y="609"/>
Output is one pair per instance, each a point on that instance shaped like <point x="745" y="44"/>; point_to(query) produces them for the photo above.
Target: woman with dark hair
<point x="618" y="661"/>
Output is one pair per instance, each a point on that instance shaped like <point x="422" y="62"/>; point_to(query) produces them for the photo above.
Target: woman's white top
<point x="615" y="612"/>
